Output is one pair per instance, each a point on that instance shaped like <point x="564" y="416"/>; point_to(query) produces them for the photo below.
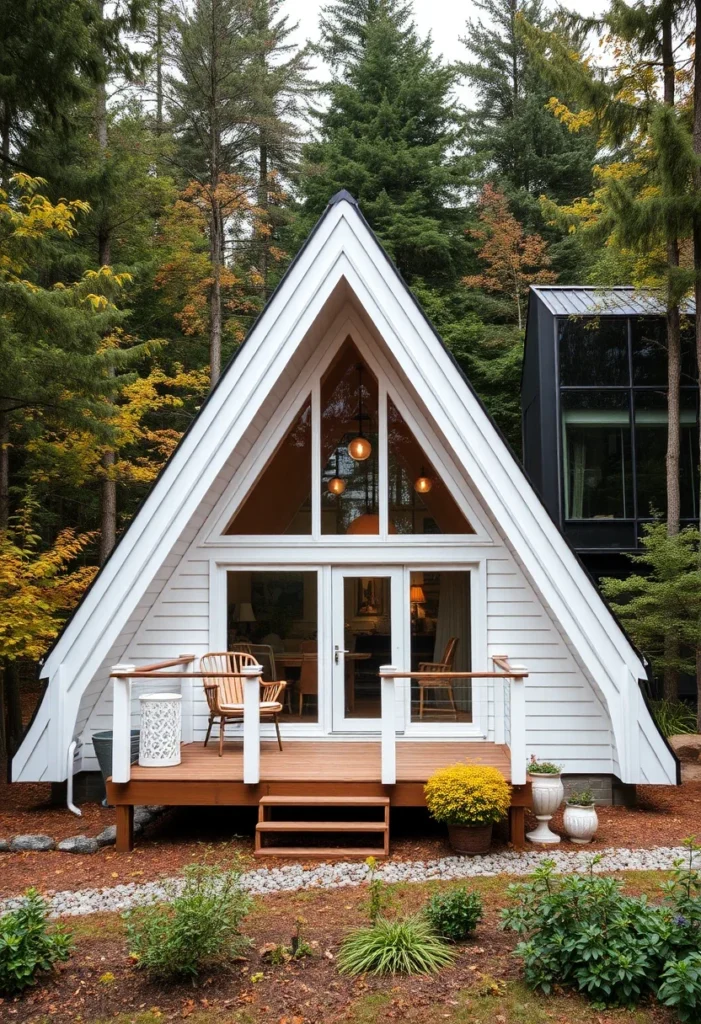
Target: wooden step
<point x="267" y="825"/>
<point x="320" y="852"/>
<point x="324" y="801"/>
<point x="321" y="826"/>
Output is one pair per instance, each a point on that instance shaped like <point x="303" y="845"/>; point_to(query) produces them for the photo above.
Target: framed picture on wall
<point x="370" y="597"/>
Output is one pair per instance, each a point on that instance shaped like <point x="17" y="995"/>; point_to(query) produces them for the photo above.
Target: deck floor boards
<point x="330" y="761"/>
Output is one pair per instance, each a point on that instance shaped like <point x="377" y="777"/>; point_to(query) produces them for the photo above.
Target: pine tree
<point x="213" y="112"/>
<point x="388" y="136"/>
<point x="343" y="27"/>
<point x="279" y="82"/>
<point x="512" y="137"/>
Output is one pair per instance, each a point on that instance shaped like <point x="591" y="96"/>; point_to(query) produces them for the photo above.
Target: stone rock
<point x="155" y="808"/>
<point x="107" y="836"/>
<point x="686" y="746"/>
<point x="78" y="844"/>
<point x="4" y="845"/>
<point x="142" y="816"/>
<point x="30" y="842"/>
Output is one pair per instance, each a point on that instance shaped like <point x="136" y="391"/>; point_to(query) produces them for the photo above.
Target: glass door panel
<point x="367" y="630"/>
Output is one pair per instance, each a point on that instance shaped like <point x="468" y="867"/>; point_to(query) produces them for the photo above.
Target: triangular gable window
<point x="419" y="501"/>
<point x="280" y="500"/>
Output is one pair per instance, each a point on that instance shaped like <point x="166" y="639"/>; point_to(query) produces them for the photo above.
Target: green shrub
<point x="27" y="945"/>
<point x="454" y="914"/>
<point x="583" y="931"/>
<point x="409" y="946"/>
<point x="581" y="798"/>
<point x="196" y="930"/>
<point x="673" y="717"/>
<point x="681" y="986"/>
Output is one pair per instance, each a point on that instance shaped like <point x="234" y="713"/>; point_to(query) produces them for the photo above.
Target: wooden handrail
<point x="182" y="659"/>
<point x="512" y="674"/>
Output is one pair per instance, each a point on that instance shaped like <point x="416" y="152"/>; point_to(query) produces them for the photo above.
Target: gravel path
<point x="337" y="875"/>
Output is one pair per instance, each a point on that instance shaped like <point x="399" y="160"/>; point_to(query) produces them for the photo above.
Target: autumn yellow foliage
<point x="467" y="794"/>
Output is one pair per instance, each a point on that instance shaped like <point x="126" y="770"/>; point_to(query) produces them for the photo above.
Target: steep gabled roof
<point x="343" y="248"/>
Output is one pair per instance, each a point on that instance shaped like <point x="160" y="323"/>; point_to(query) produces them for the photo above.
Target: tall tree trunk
<point x="696" y="235"/>
<point x="159" y="67"/>
<point x="108" y="495"/>
<point x="216" y="226"/>
<point x="13" y="728"/>
<point x="5" y="128"/>
<point x="671" y="674"/>
<point x="4" y="465"/>
<point x="264" y="208"/>
<point x="215" y="308"/>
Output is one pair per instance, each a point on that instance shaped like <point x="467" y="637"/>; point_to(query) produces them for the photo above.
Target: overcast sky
<point x="445" y="19"/>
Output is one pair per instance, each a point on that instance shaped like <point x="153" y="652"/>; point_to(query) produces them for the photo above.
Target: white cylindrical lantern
<point x="161" y="724"/>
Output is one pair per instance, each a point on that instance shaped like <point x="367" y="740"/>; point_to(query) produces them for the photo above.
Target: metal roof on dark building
<point x="581" y="300"/>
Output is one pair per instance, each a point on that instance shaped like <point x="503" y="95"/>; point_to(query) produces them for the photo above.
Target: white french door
<point x="367" y="632"/>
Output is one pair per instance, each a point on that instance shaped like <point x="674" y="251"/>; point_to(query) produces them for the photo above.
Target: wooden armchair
<point x="225" y="693"/>
<point x="445" y="665"/>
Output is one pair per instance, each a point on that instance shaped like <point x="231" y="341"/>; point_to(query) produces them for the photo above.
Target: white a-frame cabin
<point x="344" y="509"/>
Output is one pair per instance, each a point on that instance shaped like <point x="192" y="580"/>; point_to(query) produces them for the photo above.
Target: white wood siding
<point x="565" y="720"/>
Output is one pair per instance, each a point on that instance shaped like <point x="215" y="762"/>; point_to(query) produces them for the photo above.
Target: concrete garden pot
<point x="580" y="822"/>
<point x="547" y="793"/>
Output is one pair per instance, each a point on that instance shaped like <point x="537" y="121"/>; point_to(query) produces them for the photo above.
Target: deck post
<point x="252" y="675"/>
<point x="121" y="725"/>
<point x="388" y="727"/>
<point x="518" y="730"/>
<point x="125" y="828"/>
<point x="188" y="701"/>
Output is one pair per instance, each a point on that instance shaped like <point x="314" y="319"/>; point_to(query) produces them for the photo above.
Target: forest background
<point x="162" y="161"/>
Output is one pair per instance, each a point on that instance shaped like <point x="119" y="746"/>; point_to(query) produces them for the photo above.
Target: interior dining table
<point x="293" y="659"/>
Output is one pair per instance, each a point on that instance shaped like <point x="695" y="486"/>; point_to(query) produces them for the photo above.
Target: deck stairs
<point x="370" y="818"/>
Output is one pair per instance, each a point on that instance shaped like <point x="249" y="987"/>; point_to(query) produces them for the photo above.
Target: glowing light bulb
<point x="336" y="485"/>
<point x="360" y="448"/>
<point x="423" y="484"/>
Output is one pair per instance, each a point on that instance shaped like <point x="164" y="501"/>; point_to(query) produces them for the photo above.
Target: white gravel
<point x="293" y="877"/>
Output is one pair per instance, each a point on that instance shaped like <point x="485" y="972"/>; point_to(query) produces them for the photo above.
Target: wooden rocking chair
<point x="225" y="694"/>
<point x="446" y="665"/>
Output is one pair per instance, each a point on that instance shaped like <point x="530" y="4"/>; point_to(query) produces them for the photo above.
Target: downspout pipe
<point x="69" y="780"/>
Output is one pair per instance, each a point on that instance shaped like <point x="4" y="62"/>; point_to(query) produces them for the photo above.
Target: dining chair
<point x="445" y="665"/>
<point x="225" y="693"/>
<point x="308" y="685"/>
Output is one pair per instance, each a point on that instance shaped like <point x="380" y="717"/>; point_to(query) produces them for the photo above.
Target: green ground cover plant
<point x="585" y="932"/>
<point x="197" y="930"/>
<point x="29" y="947"/>
<point x="455" y="913"/>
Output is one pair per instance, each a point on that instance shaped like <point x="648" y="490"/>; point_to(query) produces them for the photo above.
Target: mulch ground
<point x="101" y="983"/>
<point x="665" y="815"/>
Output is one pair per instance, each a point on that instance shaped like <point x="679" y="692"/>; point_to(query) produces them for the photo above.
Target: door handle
<point x="337" y="652"/>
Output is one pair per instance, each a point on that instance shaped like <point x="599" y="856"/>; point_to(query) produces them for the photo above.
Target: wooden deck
<point x="333" y="761"/>
<point x="305" y="767"/>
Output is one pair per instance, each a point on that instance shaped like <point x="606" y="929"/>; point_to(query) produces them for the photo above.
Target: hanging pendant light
<point x="336" y="484"/>
<point x="360" y="448"/>
<point x="423" y="483"/>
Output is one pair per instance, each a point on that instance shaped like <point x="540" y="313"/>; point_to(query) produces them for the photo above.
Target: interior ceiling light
<point x="336" y="484"/>
<point x="360" y="448"/>
<point x="423" y="483"/>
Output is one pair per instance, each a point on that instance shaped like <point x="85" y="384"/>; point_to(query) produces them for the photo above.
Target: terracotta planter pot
<point x="470" y="839"/>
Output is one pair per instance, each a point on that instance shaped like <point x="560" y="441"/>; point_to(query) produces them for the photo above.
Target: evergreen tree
<point x="279" y="83"/>
<point x="388" y="136"/>
<point x="511" y="136"/>
<point x="214" y="118"/>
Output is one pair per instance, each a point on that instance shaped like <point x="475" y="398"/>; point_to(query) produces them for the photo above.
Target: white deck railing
<point x="509" y="705"/>
<point x="184" y="669"/>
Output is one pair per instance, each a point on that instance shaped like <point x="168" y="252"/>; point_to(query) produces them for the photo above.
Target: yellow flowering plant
<point x="467" y="794"/>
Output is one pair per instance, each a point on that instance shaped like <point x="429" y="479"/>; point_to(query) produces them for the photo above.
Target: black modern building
<point x="594" y="406"/>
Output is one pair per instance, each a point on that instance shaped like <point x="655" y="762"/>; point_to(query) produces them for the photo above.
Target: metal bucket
<point x="102" y="742"/>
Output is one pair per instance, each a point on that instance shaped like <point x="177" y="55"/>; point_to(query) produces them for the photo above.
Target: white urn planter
<point x="580" y="822"/>
<point x="547" y="792"/>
